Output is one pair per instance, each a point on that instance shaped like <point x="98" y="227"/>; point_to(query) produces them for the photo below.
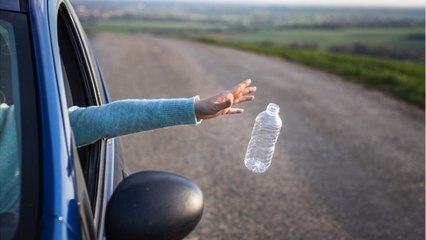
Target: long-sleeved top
<point x="89" y="125"/>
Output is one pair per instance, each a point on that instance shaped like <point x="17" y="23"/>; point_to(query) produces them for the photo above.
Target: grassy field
<point x="326" y="38"/>
<point x="396" y="38"/>
<point x="356" y="43"/>
<point x="403" y="80"/>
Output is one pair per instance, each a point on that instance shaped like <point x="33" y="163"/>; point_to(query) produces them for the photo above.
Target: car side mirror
<point x="153" y="205"/>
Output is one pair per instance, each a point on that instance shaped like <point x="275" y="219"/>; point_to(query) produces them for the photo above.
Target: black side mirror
<point x="153" y="205"/>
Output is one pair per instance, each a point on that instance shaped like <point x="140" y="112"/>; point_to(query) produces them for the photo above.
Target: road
<point x="349" y="162"/>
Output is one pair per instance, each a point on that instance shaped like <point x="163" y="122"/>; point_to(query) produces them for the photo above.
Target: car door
<point x="83" y="87"/>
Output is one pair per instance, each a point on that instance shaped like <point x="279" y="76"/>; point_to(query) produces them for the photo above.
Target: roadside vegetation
<point x="403" y="80"/>
<point x="381" y="48"/>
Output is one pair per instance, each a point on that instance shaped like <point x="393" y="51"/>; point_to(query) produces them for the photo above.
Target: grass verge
<point x="403" y="80"/>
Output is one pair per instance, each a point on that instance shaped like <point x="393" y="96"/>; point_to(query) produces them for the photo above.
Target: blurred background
<point x="349" y="77"/>
<point x="312" y="32"/>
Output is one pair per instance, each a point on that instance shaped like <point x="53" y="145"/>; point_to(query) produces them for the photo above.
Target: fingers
<point x="246" y="83"/>
<point x="235" y="111"/>
<point x="249" y="90"/>
<point x="241" y="90"/>
<point x="241" y="86"/>
<point x="245" y="99"/>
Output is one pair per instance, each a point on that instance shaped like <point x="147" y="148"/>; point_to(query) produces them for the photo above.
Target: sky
<point x="381" y="3"/>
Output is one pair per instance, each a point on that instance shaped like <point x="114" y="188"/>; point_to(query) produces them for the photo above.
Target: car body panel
<point x="58" y="186"/>
<point x="61" y="214"/>
<point x="60" y="219"/>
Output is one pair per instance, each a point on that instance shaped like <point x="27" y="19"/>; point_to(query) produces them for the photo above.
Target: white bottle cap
<point x="273" y="109"/>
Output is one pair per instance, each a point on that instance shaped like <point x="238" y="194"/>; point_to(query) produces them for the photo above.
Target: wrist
<point x="197" y="113"/>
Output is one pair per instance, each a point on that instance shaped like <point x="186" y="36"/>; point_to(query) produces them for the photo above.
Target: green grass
<point x="388" y="42"/>
<point x="403" y="80"/>
<point x="325" y="38"/>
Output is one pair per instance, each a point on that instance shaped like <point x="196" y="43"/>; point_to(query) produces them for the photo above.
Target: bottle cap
<point x="273" y="109"/>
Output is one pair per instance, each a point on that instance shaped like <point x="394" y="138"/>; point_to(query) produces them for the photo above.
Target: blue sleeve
<point x="129" y="116"/>
<point x="10" y="160"/>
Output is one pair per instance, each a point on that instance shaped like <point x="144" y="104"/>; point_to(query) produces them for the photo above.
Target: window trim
<point x="93" y="95"/>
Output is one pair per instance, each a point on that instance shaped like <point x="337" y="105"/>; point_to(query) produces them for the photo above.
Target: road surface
<point x="349" y="162"/>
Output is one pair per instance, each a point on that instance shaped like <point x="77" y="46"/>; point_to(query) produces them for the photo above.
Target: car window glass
<point x="10" y="160"/>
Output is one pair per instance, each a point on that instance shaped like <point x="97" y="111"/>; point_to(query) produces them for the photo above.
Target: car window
<point x="18" y="128"/>
<point x="81" y="91"/>
<point x="10" y="161"/>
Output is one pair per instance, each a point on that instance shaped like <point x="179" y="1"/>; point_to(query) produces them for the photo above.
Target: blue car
<point x="65" y="192"/>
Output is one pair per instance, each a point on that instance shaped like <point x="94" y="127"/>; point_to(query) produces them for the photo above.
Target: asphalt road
<point x="349" y="162"/>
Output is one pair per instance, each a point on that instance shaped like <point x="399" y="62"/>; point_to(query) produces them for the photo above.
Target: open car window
<point x="80" y="91"/>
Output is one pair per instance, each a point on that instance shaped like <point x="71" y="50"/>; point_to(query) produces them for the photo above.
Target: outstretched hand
<point x="223" y="102"/>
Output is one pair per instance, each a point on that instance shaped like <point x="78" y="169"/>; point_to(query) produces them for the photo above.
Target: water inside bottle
<point x="256" y="165"/>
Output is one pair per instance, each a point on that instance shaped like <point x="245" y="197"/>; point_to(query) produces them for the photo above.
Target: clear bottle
<point x="263" y="139"/>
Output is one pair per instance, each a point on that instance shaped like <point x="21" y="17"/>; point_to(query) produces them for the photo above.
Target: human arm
<point x="9" y="160"/>
<point x="129" y="116"/>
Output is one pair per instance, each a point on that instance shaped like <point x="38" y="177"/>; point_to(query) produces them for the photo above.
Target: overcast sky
<point x="383" y="3"/>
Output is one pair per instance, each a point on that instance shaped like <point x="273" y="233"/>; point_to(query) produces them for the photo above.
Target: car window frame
<point x="95" y="183"/>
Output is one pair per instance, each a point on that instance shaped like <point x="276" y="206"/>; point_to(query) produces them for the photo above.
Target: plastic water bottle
<point x="263" y="139"/>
